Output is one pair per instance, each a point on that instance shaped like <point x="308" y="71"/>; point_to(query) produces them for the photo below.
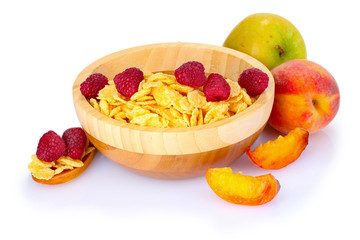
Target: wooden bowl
<point x="174" y="152"/>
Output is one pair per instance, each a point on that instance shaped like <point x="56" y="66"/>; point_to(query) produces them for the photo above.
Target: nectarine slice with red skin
<point x="240" y="189"/>
<point x="70" y="174"/>
<point x="280" y="152"/>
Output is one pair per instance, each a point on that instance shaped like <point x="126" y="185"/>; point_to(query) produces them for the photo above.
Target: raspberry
<point x="51" y="147"/>
<point x="254" y="81"/>
<point x="216" y="88"/>
<point x="127" y="82"/>
<point x="93" y="84"/>
<point x="75" y="141"/>
<point x="191" y="74"/>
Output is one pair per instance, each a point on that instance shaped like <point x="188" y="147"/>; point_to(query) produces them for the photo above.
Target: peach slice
<point x="240" y="189"/>
<point x="280" y="152"/>
<point x="68" y="175"/>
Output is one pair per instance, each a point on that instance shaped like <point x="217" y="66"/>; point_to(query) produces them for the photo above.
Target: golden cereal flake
<point x="165" y="113"/>
<point x="149" y="85"/>
<point x="217" y="118"/>
<point x="246" y="98"/>
<point x="241" y="107"/>
<point x="41" y="164"/>
<point x="86" y="147"/>
<point x="104" y="107"/>
<point x="181" y="88"/>
<point x="89" y="150"/>
<point x="61" y="168"/>
<point x="44" y="173"/>
<point x="136" y="111"/>
<point x="131" y="104"/>
<point x="66" y="160"/>
<point x="235" y="88"/>
<point x="194" y="117"/>
<point x="115" y="104"/>
<point x="121" y="119"/>
<point x="125" y="109"/>
<point x="218" y="105"/>
<point x="140" y="94"/>
<point x="34" y="166"/>
<point x="145" y="103"/>
<point x="184" y="105"/>
<point x="145" y="98"/>
<point x="41" y="169"/>
<point x="200" y="118"/>
<point x="94" y="104"/>
<point x="162" y="77"/>
<point x="165" y="122"/>
<point x="141" y="85"/>
<point x="234" y="106"/>
<point x="119" y="100"/>
<point x="186" y="118"/>
<point x="216" y="112"/>
<point x="148" y="119"/>
<point x="157" y="122"/>
<point x="177" y="122"/>
<point x="235" y="99"/>
<point x="166" y="96"/>
<point x="108" y="93"/>
<point x="196" y="98"/>
<point x="115" y="111"/>
<point x="121" y="116"/>
<point x="175" y="113"/>
<point x="156" y="109"/>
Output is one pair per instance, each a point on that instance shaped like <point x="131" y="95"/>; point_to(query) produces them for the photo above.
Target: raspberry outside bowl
<point x="174" y="152"/>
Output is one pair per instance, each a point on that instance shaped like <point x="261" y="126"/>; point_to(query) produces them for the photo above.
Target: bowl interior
<point x="166" y="57"/>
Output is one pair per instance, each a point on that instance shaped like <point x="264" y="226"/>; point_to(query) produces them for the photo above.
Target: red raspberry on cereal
<point x="93" y="84"/>
<point x="50" y="147"/>
<point x="216" y="88"/>
<point x="254" y="81"/>
<point x="75" y="141"/>
<point x="192" y="74"/>
<point x="127" y="82"/>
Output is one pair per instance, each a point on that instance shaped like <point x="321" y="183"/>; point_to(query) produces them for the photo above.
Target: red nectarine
<point x="306" y="96"/>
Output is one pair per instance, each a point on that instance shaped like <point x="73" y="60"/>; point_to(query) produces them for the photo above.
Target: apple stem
<point x="282" y="52"/>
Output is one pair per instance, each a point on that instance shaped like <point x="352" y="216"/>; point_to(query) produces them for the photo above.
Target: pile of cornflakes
<point x="163" y="102"/>
<point x="46" y="170"/>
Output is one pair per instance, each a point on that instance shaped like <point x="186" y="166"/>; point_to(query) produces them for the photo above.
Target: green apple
<point x="269" y="38"/>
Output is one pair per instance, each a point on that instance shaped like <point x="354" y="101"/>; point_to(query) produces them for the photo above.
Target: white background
<point x="44" y="45"/>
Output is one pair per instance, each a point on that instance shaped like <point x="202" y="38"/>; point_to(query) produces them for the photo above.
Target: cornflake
<point x="46" y="170"/>
<point x="161" y="101"/>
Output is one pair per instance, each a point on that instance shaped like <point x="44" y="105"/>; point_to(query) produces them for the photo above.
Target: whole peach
<point x="306" y="96"/>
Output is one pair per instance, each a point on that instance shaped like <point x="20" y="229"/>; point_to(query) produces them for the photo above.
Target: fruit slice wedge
<point x="280" y="152"/>
<point x="68" y="175"/>
<point x="240" y="189"/>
